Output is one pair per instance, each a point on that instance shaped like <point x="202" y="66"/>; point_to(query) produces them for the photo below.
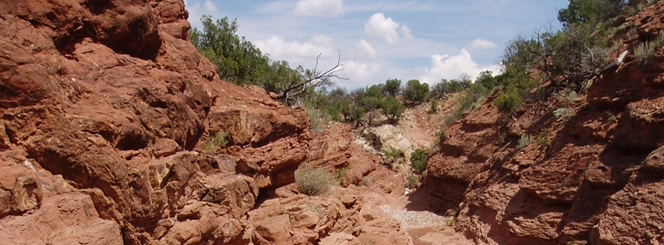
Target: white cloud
<point x="297" y="52"/>
<point x="405" y="31"/>
<point x="210" y="7"/>
<point x="451" y="67"/>
<point x="319" y="8"/>
<point x="275" y="7"/>
<point x="481" y="44"/>
<point x="196" y="11"/>
<point x="361" y="73"/>
<point x="383" y="28"/>
<point x="365" y="49"/>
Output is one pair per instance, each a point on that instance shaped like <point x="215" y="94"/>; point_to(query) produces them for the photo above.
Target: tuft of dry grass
<point x="313" y="181"/>
<point x="646" y="50"/>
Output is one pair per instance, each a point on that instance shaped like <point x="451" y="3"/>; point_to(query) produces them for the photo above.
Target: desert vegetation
<point x="314" y="181"/>
<point x="237" y="60"/>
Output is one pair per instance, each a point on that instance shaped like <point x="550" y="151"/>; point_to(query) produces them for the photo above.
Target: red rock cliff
<point x="593" y="178"/>
<point x="104" y="107"/>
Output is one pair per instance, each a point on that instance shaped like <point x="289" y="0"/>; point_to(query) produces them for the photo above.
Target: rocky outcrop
<point x="344" y="216"/>
<point x="388" y="137"/>
<point x="593" y="178"/>
<point x="107" y="114"/>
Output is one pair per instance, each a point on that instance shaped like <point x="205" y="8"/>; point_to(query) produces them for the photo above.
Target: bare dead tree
<point x="311" y="79"/>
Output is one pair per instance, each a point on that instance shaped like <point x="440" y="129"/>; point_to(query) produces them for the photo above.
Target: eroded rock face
<point x="593" y="178"/>
<point x="106" y="108"/>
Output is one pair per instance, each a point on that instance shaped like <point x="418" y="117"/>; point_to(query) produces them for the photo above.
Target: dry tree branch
<point x="313" y="79"/>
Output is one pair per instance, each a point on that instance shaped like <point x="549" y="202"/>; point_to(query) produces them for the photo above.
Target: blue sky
<point x="382" y="39"/>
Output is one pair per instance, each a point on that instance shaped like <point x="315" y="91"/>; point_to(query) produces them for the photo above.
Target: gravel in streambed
<point x="415" y="219"/>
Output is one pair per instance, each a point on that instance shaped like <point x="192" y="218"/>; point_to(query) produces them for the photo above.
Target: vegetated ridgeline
<point x="568" y="168"/>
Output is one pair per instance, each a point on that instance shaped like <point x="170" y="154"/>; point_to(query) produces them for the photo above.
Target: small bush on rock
<point x="419" y="161"/>
<point x="646" y="50"/>
<point x="524" y="141"/>
<point x="313" y="181"/>
<point x="219" y="141"/>
<point x="563" y="114"/>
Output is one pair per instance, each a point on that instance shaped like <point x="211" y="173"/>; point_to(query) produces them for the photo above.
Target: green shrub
<point x="590" y="11"/>
<point x="453" y="117"/>
<point x="508" y="102"/>
<point x="392" y="109"/>
<point x="416" y="92"/>
<point x="392" y="87"/>
<point x="524" y="141"/>
<point x="486" y="79"/>
<point x="434" y="106"/>
<point x="354" y="113"/>
<point x="313" y="181"/>
<point x="350" y="111"/>
<point x="215" y="144"/>
<point x="418" y="161"/>
<point x="370" y="98"/>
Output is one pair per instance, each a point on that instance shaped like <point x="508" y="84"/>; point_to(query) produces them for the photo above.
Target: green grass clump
<point x="412" y="181"/>
<point x="646" y="50"/>
<point x="543" y="141"/>
<point x="219" y="141"/>
<point x="563" y="114"/>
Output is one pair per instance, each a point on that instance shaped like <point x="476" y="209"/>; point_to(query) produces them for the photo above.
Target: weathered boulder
<point x="387" y="137"/>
